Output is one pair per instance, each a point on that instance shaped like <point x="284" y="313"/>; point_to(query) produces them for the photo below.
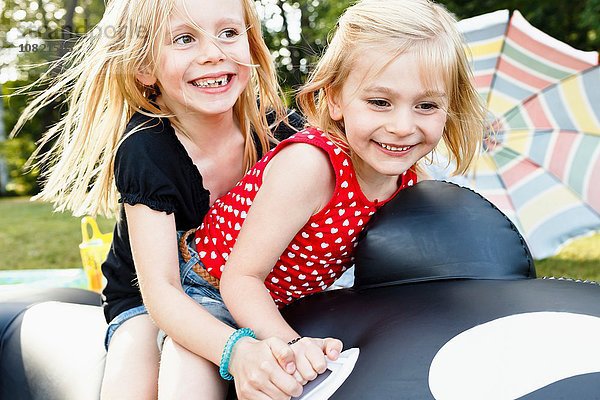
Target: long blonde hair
<point x="398" y="26"/>
<point x="99" y="86"/>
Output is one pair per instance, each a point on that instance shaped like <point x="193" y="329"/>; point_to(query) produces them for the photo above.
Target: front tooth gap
<point x="212" y="82"/>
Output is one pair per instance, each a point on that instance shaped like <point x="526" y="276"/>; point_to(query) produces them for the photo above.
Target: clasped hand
<point x="272" y="369"/>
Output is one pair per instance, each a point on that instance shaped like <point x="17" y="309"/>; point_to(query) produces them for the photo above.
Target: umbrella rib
<point x="539" y="94"/>
<point x="552" y="175"/>
<point x="534" y="132"/>
<point x="496" y="67"/>
<point x="502" y="183"/>
<point x="523" y="113"/>
<point x="540" y="131"/>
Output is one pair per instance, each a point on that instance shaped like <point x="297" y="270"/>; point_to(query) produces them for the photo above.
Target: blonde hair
<point x="398" y="26"/>
<point x="102" y="93"/>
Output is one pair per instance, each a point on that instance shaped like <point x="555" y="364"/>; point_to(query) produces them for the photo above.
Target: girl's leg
<point x="184" y="375"/>
<point x="132" y="361"/>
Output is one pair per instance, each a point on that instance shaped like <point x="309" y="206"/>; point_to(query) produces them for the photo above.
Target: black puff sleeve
<point x="146" y="168"/>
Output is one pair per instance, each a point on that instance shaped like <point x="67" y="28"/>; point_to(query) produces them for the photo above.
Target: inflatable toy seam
<point x="562" y="278"/>
<point x="512" y="225"/>
<point x="414" y="238"/>
<point x="405" y="281"/>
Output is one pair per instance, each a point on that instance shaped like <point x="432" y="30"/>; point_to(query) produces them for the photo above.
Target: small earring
<point x="151" y="91"/>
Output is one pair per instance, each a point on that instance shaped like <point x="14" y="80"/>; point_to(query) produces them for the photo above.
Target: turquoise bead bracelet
<point x="233" y="339"/>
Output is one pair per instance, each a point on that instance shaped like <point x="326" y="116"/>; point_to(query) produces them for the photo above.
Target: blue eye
<point x="379" y="103"/>
<point x="428" y="106"/>
<point x="183" y="39"/>
<point x="228" y="34"/>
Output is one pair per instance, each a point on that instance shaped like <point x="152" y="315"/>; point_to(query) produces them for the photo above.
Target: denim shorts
<point x="194" y="286"/>
<point x="199" y="289"/>
<point x="120" y="320"/>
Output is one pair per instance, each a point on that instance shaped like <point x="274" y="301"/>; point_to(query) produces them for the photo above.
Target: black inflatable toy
<point x="445" y="306"/>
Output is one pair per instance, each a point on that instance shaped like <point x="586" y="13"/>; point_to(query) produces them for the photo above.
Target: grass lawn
<point x="32" y="236"/>
<point x="579" y="259"/>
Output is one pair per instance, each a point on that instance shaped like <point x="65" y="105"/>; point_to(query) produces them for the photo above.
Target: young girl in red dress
<point x="393" y="82"/>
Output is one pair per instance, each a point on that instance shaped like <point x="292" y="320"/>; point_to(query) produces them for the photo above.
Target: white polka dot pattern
<point x="321" y="251"/>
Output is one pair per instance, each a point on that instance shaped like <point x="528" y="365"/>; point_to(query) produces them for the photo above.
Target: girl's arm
<point x="154" y="246"/>
<point x="298" y="183"/>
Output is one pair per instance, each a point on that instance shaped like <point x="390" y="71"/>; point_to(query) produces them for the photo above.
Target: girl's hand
<point x="263" y="369"/>
<point x="311" y="356"/>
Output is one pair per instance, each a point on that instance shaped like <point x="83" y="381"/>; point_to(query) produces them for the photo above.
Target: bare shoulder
<point x="304" y="172"/>
<point x="301" y="158"/>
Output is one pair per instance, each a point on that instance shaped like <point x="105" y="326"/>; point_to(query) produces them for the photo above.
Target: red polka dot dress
<point x="321" y="251"/>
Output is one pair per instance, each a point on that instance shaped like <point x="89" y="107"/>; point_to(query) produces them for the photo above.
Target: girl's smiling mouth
<point x="393" y="148"/>
<point x="212" y="82"/>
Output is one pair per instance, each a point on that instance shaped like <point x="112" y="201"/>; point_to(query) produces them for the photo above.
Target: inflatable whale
<point x="445" y="306"/>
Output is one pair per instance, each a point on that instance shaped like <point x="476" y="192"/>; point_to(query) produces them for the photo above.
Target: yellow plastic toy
<point x="94" y="249"/>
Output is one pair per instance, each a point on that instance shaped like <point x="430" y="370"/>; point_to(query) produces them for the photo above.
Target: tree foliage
<point x="574" y="22"/>
<point x="37" y="33"/>
<point x="295" y="30"/>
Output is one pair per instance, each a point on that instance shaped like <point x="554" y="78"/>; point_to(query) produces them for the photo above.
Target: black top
<point x="153" y="168"/>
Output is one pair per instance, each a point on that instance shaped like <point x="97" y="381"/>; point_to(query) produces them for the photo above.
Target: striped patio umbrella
<point x="541" y="163"/>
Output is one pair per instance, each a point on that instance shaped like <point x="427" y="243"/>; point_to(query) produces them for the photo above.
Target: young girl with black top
<point x="165" y="115"/>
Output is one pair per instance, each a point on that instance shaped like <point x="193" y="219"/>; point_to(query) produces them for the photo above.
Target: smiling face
<point x="391" y="120"/>
<point x="199" y="70"/>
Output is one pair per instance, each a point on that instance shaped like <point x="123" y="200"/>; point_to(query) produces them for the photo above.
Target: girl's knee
<point x="132" y="360"/>
<point x="183" y="373"/>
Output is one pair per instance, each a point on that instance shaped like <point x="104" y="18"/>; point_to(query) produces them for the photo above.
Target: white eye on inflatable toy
<point x="492" y="361"/>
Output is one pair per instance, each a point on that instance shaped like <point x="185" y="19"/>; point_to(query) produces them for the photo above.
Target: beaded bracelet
<point x="233" y="339"/>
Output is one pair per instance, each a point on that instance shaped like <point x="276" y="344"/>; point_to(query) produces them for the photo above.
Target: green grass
<point x="32" y="236"/>
<point x="579" y="259"/>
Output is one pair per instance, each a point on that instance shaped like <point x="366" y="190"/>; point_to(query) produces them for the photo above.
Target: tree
<point x="576" y="23"/>
<point x="38" y="32"/>
<point x="589" y="21"/>
<point x="297" y="32"/>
